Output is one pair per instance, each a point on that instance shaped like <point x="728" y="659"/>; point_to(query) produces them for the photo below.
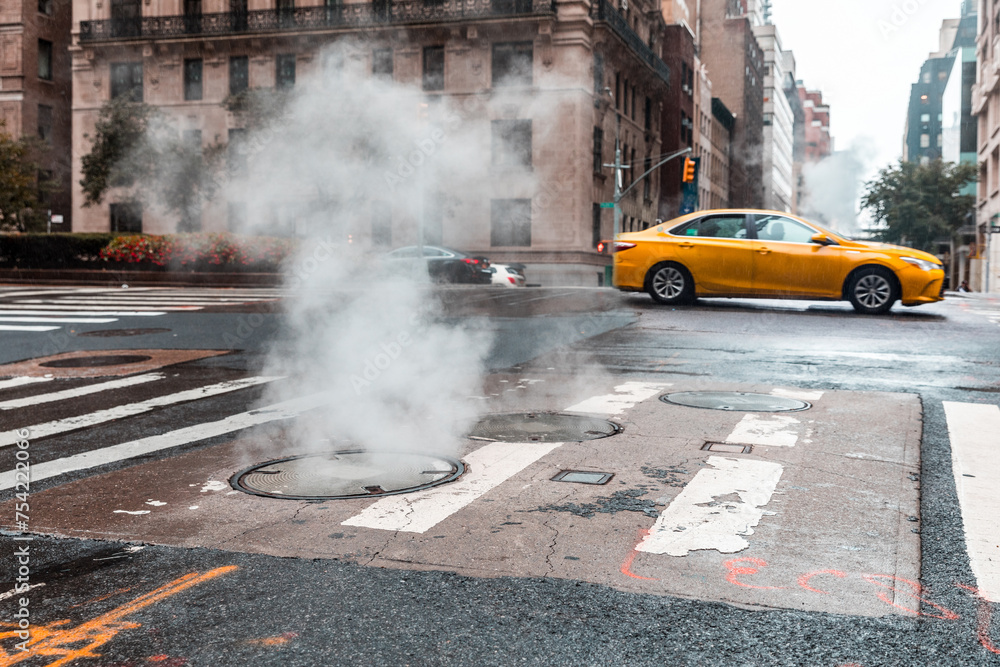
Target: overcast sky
<point x="863" y="55"/>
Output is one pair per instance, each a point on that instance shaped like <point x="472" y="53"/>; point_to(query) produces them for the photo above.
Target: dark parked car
<point x="445" y="265"/>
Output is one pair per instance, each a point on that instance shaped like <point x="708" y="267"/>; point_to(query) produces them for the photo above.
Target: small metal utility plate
<point x="727" y="448"/>
<point x="347" y="474"/>
<point x="736" y="401"/>
<point x="542" y="427"/>
<point x="583" y="477"/>
<point x="97" y="360"/>
<point x="114" y="333"/>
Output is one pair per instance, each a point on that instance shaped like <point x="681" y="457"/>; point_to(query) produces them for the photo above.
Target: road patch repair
<point x="814" y="515"/>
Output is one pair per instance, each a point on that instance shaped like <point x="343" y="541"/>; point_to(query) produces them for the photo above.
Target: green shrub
<point x="52" y="251"/>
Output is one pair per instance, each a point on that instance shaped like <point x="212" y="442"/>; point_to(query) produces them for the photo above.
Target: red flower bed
<point x="198" y="251"/>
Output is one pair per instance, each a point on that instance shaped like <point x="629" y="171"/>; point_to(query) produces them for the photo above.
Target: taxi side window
<point x="774" y="228"/>
<point x="719" y="227"/>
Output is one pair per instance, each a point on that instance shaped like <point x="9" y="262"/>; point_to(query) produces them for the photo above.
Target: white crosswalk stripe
<point x="41" y="310"/>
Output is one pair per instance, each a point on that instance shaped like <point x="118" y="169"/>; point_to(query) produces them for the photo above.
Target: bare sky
<point x="863" y="55"/>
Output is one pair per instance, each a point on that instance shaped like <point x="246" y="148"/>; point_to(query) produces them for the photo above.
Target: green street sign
<point x="607" y="204"/>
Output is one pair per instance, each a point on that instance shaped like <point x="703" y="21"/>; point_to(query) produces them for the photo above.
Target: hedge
<point x="53" y="251"/>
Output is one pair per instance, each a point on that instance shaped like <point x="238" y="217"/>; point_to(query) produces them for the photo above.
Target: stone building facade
<point x="35" y="87"/>
<point x="600" y="63"/>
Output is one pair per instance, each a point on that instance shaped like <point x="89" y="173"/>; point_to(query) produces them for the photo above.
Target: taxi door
<point x="787" y="263"/>
<point x="717" y="252"/>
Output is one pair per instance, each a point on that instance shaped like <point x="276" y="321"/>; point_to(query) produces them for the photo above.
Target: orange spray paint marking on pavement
<point x="984" y="619"/>
<point x="626" y="568"/>
<point x="734" y="571"/>
<point x="283" y="638"/>
<point x="70" y="644"/>
<point x="915" y="593"/>
<point x="804" y="579"/>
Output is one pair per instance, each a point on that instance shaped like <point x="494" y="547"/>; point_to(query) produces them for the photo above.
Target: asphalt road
<point x="148" y="555"/>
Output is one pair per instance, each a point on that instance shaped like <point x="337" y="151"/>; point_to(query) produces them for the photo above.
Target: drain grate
<point x="96" y="360"/>
<point x="583" y="477"/>
<point x="112" y="333"/>
<point x="542" y="427"/>
<point x="345" y="475"/>
<point x="735" y="401"/>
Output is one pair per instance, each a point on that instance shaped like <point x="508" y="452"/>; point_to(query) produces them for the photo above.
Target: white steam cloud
<point x="833" y="186"/>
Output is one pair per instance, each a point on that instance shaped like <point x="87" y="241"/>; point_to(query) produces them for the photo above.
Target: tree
<point x="21" y="189"/>
<point x="138" y="148"/>
<point x="920" y="204"/>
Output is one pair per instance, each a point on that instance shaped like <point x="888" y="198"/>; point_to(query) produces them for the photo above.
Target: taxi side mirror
<point x="821" y="239"/>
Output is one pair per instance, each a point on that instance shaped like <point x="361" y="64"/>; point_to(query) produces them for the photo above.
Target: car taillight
<point x="622" y="245"/>
<point x="511" y="279"/>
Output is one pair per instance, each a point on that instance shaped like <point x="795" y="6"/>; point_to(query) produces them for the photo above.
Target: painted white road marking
<point x="625" y="396"/>
<point x="155" y="443"/>
<point x="47" y="429"/>
<point x="14" y="591"/>
<point x="79" y="391"/>
<point x="974" y="430"/>
<point x="773" y="430"/>
<point x="97" y="311"/>
<point x="800" y="394"/>
<point x="716" y="509"/>
<point x="18" y="381"/>
<point x="418" y="512"/>
<point x="25" y="327"/>
<point x="56" y="318"/>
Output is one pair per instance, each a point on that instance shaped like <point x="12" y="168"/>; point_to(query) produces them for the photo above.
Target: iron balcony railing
<point x="351" y="15"/>
<point x="602" y="10"/>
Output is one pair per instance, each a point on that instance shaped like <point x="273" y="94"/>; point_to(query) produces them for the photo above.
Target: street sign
<point x="57" y="219"/>
<point x="607" y="204"/>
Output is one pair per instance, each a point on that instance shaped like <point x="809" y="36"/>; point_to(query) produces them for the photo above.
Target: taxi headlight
<point x="922" y="263"/>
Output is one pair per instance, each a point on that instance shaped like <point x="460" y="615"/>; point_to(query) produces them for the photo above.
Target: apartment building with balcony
<point x="600" y="64"/>
<point x="35" y="88"/>
<point x="985" y="266"/>
<point x="778" y="121"/>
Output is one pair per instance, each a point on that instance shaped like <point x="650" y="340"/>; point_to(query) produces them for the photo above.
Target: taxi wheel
<point x="670" y="283"/>
<point x="873" y="290"/>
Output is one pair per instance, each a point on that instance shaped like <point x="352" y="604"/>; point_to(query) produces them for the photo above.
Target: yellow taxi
<point x="772" y="255"/>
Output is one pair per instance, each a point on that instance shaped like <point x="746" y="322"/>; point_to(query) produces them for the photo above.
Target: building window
<point x="45" y="7"/>
<point x="126" y="18"/>
<point x="381" y="224"/>
<point x="510" y="222"/>
<point x="598" y="74"/>
<point x="647" y="164"/>
<point x="126" y="81"/>
<point x="284" y="74"/>
<point x="286" y="13"/>
<point x="648" y="115"/>
<point x="512" y="143"/>
<point x="236" y="152"/>
<point x="925" y="118"/>
<point x="192" y="79"/>
<point x="192" y="16"/>
<point x="45" y="59"/>
<point x="239" y="74"/>
<point x="512" y="64"/>
<point x="382" y="63"/>
<point x="433" y="68"/>
<point x="45" y="123"/>
<point x="939" y="141"/>
<point x="598" y="150"/>
<point x="925" y="140"/>
<point x="126" y="217"/>
<point x="334" y="11"/>
<point x="236" y="215"/>
<point x="239" y="9"/>
<point x="595" y="224"/>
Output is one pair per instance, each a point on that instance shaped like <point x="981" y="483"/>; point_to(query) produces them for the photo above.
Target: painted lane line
<point x="47" y="429"/>
<point x="25" y="327"/>
<point x="625" y="397"/>
<point x="59" y="319"/>
<point x="19" y="381"/>
<point x="771" y="431"/>
<point x="975" y="448"/>
<point x="800" y="394"/>
<point x="79" y="391"/>
<point x="47" y="309"/>
<point x="128" y="301"/>
<point x="704" y="515"/>
<point x="12" y="592"/>
<point x="127" y="450"/>
<point x="418" y="512"/>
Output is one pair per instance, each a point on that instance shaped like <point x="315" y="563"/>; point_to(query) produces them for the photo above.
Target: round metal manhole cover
<point x="97" y="360"/>
<point x="348" y="474"/>
<point x="735" y="400"/>
<point x="542" y="427"/>
<point x="112" y="333"/>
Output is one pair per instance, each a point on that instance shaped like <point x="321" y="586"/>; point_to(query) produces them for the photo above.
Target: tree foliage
<point x="919" y="204"/>
<point x="20" y="189"/>
<point x="120" y="155"/>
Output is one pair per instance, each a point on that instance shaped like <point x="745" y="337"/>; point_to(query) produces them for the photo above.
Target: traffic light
<point x="602" y="246"/>
<point x="689" y="167"/>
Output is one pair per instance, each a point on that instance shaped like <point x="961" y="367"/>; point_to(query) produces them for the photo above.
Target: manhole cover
<point x="111" y="333"/>
<point x="735" y="400"/>
<point x="542" y="427"/>
<point x="349" y="474"/>
<point x="96" y="360"/>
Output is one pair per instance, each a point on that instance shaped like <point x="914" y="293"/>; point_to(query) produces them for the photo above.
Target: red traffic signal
<point x="602" y="246"/>
<point x="689" y="167"/>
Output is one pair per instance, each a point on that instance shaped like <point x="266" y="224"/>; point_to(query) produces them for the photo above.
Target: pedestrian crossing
<point x="715" y="511"/>
<point x="42" y="310"/>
